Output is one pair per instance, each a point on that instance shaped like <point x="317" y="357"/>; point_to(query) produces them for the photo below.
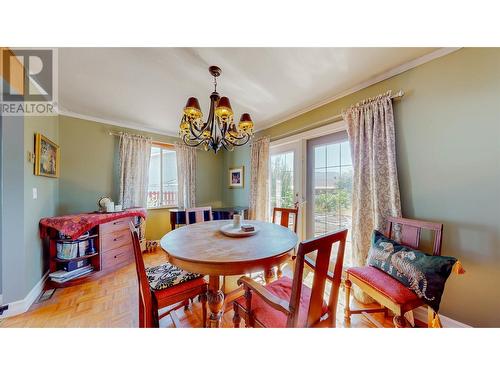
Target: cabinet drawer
<point x="114" y="226"/>
<point x="115" y="239"/>
<point x="118" y="257"/>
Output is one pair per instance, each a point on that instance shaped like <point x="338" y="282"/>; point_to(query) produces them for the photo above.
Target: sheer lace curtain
<point x="135" y="153"/>
<point x="259" y="180"/>
<point x="186" y="176"/>
<point x="375" y="191"/>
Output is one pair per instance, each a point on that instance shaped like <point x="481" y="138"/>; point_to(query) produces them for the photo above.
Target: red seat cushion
<point x="282" y="288"/>
<point x="385" y="284"/>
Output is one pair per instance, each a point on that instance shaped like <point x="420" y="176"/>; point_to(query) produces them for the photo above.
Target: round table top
<point x="202" y="248"/>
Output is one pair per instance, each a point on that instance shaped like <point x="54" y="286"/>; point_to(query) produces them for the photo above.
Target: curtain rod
<point x="338" y="117"/>
<point x="328" y="120"/>
<point x="119" y="134"/>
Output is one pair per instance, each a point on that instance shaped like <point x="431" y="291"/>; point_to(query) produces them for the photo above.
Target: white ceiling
<point x="148" y="87"/>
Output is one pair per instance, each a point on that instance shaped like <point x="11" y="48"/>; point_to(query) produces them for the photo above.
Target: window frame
<point x="164" y="146"/>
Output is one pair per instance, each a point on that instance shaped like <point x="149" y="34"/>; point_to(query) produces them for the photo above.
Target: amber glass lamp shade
<point x="192" y="108"/>
<point x="246" y="123"/>
<point x="224" y="109"/>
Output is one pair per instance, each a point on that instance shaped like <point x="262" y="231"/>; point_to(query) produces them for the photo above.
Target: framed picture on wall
<point x="236" y="177"/>
<point x="47" y="157"/>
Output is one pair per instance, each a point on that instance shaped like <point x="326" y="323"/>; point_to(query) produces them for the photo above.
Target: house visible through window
<point x="162" y="186"/>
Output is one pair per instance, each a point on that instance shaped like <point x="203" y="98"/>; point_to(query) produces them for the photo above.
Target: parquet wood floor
<point x="111" y="301"/>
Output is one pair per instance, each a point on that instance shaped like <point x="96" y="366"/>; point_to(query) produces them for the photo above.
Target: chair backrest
<point x="410" y="231"/>
<point x="323" y="246"/>
<point x="198" y="214"/>
<point x="285" y="216"/>
<point x="148" y="311"/>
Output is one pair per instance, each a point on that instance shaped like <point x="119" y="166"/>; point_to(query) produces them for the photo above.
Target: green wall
<point x="89" y="170"/>
<point x="14" y="279"/>
<point x="36" y="262"/>
<point x="237" y="158"/>
<point x="448" y="154"/>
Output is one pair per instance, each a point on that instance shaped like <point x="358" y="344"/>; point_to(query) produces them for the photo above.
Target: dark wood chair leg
<point x="347" y="308"/>
<point x="186" y="305"/>
<point x="236" y="316"/>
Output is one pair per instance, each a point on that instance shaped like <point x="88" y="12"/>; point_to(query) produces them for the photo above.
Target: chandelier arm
<point x="226" y="146"/>
<point x="239" y="144"/>
<point x="191" y="144"/>
<point x="194" y="136"/>
<point x="191" y="137"/>
<point x="242" y="137"/>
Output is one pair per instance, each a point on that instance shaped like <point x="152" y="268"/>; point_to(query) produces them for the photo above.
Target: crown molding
<point x="381" y="77"/>
<point x="125" y="124"/>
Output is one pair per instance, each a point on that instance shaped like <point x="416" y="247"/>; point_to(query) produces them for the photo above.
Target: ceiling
<point x="148" y="87"/>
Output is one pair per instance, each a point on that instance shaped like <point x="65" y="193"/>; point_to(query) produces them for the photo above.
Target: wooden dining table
<point x="202" y="248"/>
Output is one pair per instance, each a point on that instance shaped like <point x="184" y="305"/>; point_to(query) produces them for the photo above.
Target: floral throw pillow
<point x="424" y="274"/>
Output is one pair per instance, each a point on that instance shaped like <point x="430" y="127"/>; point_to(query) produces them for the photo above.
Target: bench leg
<point x="347" y="308"/>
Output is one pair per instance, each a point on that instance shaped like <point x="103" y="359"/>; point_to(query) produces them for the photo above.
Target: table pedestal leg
<point x="215" y="302"/>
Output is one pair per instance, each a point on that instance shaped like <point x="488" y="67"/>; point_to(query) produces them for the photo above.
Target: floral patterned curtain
<point x="186" y="176"/>
<point x="135" y="152"/>
<point x="259" y="180"/>
<point x="375" y="191"/>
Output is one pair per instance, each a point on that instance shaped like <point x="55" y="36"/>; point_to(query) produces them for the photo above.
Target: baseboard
<point x="421" y="315"/>
<point x="21" y="306"/>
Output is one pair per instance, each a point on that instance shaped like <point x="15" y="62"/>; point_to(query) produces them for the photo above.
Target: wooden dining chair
<point x="198" y="214"/>
<point x="290" y="303"/>
<point x="386" y="290"/>
<point x="163" y="286"/>
<point x="282" y="217"/>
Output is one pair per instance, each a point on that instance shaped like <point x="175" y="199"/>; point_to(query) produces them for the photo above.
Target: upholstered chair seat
<point x="167" y="275"/>
<point x="272" y="318"/>
<point x="387" y="285"/>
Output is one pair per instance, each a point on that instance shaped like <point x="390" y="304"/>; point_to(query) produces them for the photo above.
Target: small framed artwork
<point x="47" y="157"/>
<point x="237" y="177"/>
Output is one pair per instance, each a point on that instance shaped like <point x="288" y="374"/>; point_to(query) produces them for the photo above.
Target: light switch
<point x="35" y="193"/>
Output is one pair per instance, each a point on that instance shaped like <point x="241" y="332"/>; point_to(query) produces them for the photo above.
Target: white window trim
<point x="313" y="133"/>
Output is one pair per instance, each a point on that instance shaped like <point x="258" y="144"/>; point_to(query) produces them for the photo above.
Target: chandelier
<point x="219" y="130"/>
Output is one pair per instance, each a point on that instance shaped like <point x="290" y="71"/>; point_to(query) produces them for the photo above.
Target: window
<point x="162" y="186"/>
